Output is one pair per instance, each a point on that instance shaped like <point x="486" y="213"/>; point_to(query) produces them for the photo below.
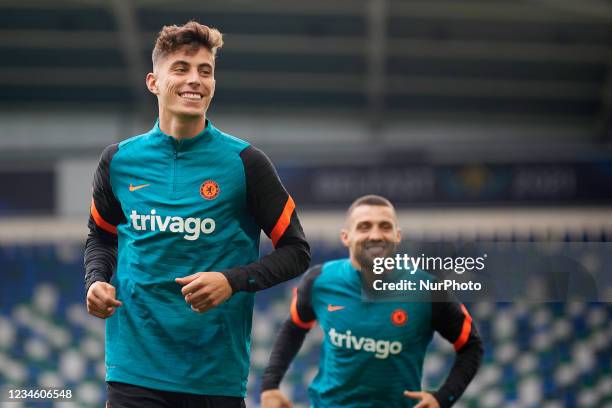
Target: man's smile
<point x="375" y="248"/>
<point x="192" y="96"/>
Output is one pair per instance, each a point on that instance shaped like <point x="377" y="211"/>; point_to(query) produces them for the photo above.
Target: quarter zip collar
<point x="204" y="136"/>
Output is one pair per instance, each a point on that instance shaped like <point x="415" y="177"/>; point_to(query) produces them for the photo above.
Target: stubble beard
<point x="365" y="256"/>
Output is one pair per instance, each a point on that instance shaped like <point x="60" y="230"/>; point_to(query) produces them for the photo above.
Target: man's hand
<point x="205" y="290"/>
<point x="274" y="399"/>
<point x="101" y="300"/>
<point x="426" y="399"/>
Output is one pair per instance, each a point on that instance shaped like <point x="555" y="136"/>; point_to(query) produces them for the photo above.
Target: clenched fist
<point x="101" y="300"/>
<point x="205" y="290"/>
<point x="274" y="399"/>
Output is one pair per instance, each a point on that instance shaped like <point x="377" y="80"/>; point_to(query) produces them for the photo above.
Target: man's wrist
<point x="444" y="398"/>
<point x="237" y="278"/>
<point x="269" y="386"/>
<point x="95" y="277"/>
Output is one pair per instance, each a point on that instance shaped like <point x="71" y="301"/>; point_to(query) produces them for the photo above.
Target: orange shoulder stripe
<point x="465" y="330"/>
<point x="283" y="221"/>
<point x="101" y="222"/>
<point x="295" y="317"/>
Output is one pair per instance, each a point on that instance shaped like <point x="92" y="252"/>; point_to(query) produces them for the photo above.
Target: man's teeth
<point x="191" y="96"/>
<point x="375" y="249"/>
<point x="374" y="246"/>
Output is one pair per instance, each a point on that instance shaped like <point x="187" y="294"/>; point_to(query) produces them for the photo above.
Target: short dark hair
<point x="370" y="199"/>
<point x="193" y="34"/>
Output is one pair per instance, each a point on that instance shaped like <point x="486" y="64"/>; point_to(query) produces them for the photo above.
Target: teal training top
<point x="164" y="209"/>
<point x="378" y="357"/>
<point x="372" y="351"/>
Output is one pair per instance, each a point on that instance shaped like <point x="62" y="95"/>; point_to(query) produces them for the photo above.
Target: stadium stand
<point x="537" y="354"/>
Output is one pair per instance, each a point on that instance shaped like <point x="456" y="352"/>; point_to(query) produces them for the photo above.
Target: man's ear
<point x="212" y="89"/>
<point x="344" y="237"/>
<point x="151" y="82"/>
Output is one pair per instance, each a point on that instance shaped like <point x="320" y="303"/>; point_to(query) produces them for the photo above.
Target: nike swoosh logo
<point x="134" y="188"/>
<point x="332" y="308"/>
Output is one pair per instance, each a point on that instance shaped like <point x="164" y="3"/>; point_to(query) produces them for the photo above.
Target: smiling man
<point x="172" y="257"/>
<point x="373" y="352"/>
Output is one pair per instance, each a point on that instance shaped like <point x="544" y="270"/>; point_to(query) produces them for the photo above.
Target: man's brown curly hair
<point x="193" y="34"/>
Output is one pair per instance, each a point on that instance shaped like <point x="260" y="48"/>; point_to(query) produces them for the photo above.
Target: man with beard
<point x="373" y="352"/>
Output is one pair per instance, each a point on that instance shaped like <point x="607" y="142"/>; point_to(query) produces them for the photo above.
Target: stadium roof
<point x="546" y="57"/>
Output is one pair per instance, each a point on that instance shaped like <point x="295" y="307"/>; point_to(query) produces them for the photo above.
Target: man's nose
<point x="194" y="78"/>
<point x="376" y="234"/>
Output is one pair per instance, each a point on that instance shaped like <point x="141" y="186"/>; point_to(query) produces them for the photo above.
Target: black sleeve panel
<point x="302" y="313"/>
<point x="293" y="331"/>
<point x="105" y="214"/>
<point x="266" y="195"/>
<point x="287" y="345"/>
<point x="274" y="211"/>
<point x="452" y="320"/>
